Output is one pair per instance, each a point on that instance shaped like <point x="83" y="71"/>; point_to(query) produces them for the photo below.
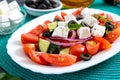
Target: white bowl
<point x="9" y="26"/>
<point x="39" y="12"/>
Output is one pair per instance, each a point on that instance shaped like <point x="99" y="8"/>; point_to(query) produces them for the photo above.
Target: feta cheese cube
<point x="4" y="21"/>
<point x="14" y="5"/>
<point x="83" y="32"/>
<point x="98" y="30"/>
<point x="16" y="14"/>
<point x="80" y="21"/>
<point x="4" y="7"/>
<point x="90" y="20"/>
<point x="63" y="23"/>
<point x="86" y="12"/>
<point x="61" y="32"/>
<point x="70" y="17"/>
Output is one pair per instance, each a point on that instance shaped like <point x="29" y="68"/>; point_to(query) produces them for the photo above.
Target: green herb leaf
<point x="5" y="76"/>
<point x="74" y="26"/>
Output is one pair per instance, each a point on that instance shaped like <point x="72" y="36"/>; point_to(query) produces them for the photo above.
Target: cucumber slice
<point x="43" y="45"/>
<point x="52" y="25"/>
<point x="53" y="48"/>
<point x="64" y="51"/>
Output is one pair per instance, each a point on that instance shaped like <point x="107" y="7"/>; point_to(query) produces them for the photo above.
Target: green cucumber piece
<point x="53" y="48"/>
<point x="64" y="51"/>
<point x="52" y="25"/>
<point x="43" y="45"/>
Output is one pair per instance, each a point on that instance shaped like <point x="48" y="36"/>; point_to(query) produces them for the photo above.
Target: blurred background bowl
<point x="9" y="26"/>
<point x="39" y="12"/>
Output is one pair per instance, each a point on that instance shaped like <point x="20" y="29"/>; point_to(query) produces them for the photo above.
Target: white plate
<point x="15" y="51"/>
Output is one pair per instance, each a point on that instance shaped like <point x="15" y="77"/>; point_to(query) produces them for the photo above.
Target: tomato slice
<point x="27" y="47"/>
<point x="116" y="23"/>
<point x="102" y="21"/>
<point x="29" y="38"/>
<point x="45" y="25"/>
<point x="113" y="35"/>
<point x="92" y="47"/>
<point x="58" y="18"/>
<point x="104" y="44"/>
<point x="36" y="57"/>
<point x="77" y="50"/>
<point x="63" y="14"/>
<point x="78" y="11"/>
<point x="109" y="17"/>
<point x="59" y="59"/>
<point x="29" y="50"/>
<point x="37" y="30"/>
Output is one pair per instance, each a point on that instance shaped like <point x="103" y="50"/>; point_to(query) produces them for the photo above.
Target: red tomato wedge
<point x="59" y="59"/>
<point x="27" y="47"/>
<point x="92" y="47"/>
<point x="113" y="35"/>
<point x="116" y="23"/>
<point x="29" y="38"/>
<point x="58" y="18"/>
<point x="77" y="50"/>
<point x="29" y="50"/>
<point x="45" y="25"/>
<point x="63" y="14"/>
<point x="37" y="30"/>
<point x="109" y="17"/>
<point x="36" y="57"/>
<point x="102" y="21"/>
<point x="104" y="44"/>
<point x="102" y="14"/>
<point x="78" y="11"/>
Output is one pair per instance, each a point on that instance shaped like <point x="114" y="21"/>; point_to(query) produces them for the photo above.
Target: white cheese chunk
<point x="86" y="12"/>
<point x="14" y="5"/>
<point x="90" y="20"/>
<point x="70" y="17"/>
<point x="4" y="21"/>
<point x="61" y="32"/>
<point x="98" y="30"/>
<point x="63" y="23"/>
<point x="83" y="32"/>
<point x="16" y="14"/>
<point x="80" y="21"/>
<point x="4" y="7"/>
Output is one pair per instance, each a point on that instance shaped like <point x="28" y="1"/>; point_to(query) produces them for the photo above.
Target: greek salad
<point x="70" y="38"/>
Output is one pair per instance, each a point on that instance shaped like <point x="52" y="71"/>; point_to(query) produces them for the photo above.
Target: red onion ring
<point x="67" y="44"/>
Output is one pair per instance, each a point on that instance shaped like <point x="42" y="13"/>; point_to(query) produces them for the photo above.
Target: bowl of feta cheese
<point x="11" y="16"/>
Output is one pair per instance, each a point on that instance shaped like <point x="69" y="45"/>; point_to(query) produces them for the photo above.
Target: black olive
<point x="46" y="34"/>
<point x="42" y="6"/>
<point x="39" y="1"/>
<point x="84" y="24"/>
<point x="49" y="7"/>
<point x="72" y="22"/>
<point x="55" y="5"/>
<point x="79" y="17"/>
<point x="47" y="2"/>
<point x="52" y="2"/>
<point x="109" y="26"/>
<point x="33" y="6"/>
<point x="85" y="57"/>
<point x="28" y="2"/>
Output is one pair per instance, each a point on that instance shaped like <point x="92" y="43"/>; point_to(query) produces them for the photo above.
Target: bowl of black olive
<point x="41" y="7"/>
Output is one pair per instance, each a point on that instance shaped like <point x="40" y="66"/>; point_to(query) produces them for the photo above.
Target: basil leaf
<point x="5" y="76"/>
<point x="74" y="26"/>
